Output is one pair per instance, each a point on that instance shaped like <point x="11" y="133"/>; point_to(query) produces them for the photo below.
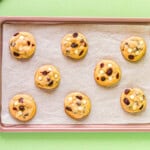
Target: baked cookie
<point x="74" y="45"/>
<point x="107" y="73"/>
<point x="47" y="77"/>
<point x="22" y="45"/>
<point x="22" y="107"/>
<point x="133" y="48"/>
<point x="77" y="105"/>
<point x="133" y="100"/>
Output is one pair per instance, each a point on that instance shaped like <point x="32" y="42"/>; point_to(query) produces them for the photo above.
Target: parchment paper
<point x="104" y="42"/>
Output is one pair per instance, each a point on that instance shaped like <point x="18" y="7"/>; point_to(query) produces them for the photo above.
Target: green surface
<point x="75" y="141"/>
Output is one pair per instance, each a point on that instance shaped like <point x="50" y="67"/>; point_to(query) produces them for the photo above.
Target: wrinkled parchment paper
<point x="104" y="42"/>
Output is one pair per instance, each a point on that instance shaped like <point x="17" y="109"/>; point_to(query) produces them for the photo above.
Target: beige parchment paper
<point x="104" y="42"/>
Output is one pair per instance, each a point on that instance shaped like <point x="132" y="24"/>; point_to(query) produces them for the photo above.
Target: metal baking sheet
<point x="74" y="126"/>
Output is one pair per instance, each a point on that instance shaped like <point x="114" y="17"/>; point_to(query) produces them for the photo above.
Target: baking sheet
<point x="104" y="42"/>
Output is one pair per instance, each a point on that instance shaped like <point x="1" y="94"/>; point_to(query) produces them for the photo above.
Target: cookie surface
<point x="133" y="48"/>
<point x="77" y="105"/>
<point x="133" y="100"/>
<point x="74" y="45"/>
<point x="107" y="73"/>
<point x="22" y="107"/>
<point x="22" y="45"/>
<point x="47" y="77"/>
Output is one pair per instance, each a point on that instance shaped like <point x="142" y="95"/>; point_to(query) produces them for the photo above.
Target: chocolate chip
<point x="50" y="83"/>
<point x="12" y="44"/>
<point x="102" y="65"/>
<point x="81" y="53"/>
<point x="14" y="108"/>
<point x="75" y="34"/>
<point x="131" y="57"/>
<point x="136" y="48"/>
<point x="126" y="91"/>
<point x="85" y="44"/>
<point x="68" y="108"/>
<point x="21" y="108"/>
<point x="78" y="103"/>
<point x="16" y="34"/>
<point x="20" y="100"/>
<point x="82" y="41"/>
<point x="126" y="101"/>
<point x="16" y="54"/>
<point x="103" y="78"/>
<point x="126" y="43"/>
<point x="79" y="97"/>
<point x="67" y="51"/>
<point x="74" y="45"/>
<point x="33" y="44"/>
<point x="27" y="114"/>
<point x="141" y="107"/>
<point x="45" y="72"/>
<point x="109" y="71"/>
<point x="97" y="78"/>
<point x="28" y="42"/>
<point x="117" y="75"/>
<point x="48" y="79"/>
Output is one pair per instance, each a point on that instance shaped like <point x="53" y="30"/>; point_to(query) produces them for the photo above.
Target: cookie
<point x="22" y="107"/>
<point x="133" y="48"/>
<point x="77" y="105"/>
<point x="22" y="45"/>
<point x="47" y="77"/>
<point x="74" y="45"/>
<point x="133" y="100"/>
<point x="107" y="73"/>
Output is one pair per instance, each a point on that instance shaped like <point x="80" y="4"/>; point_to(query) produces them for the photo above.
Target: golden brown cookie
<point x="77" y="105"/>
<point x="47" y="77"/>
<point x="133" y="48"/>
<point x="107" y="73"/>
<point x="133" y="100"/>
<point x="74" y="45"/>
<point x="22" y="107"/>
<point x="22" y="45"/>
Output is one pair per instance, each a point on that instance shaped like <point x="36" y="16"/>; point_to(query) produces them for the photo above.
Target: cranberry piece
<point x="109" y="71"/>
<point x="126" y="91"/>
<point x="68" y="108"/>
<point x="131" y="57"/>
<point x="75" y="35"/>
<point x="126" y="101"/>
<point x="79" y="97"/>
<point x="102" y="65"/>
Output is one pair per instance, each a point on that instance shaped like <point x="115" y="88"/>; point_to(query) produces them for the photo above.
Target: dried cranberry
<point x="20" y="100"/>
<point x="16" y="34"/>
<point x="103" y="78"/>
<point x="16" y="54"/>
<point x="102" y="65"/>
<point x="45" y="72"/>
<point x="79" y="97"/>
<point x="75" y="35"/>
<point x="14" y="108"/>
<point x="28" y="42"/>
<point x="68" y="108"/>
<point x="50" y="83"/>
<point x="131" y="57"/>
<point x="117" y="75"/>
<point x="74" y="45"/>
<point x="126" y="91"/>
<point x="109" y="71"/>
<point x="81" y="53"/>
<point x="21" y="108"/>
<point x="126" y="101"/>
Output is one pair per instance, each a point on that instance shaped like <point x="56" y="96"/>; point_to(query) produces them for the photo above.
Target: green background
<point x="75" y="141"/>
